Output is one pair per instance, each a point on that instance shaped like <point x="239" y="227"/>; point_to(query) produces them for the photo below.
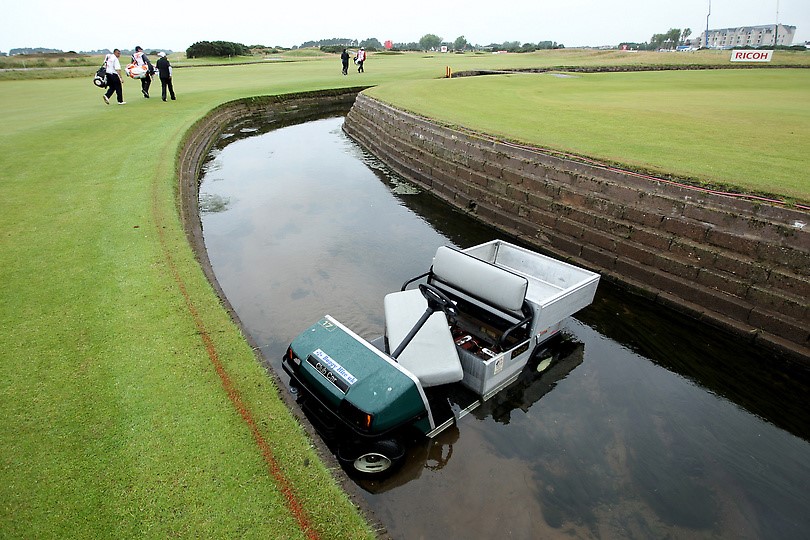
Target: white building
<point x="752" y="36"/>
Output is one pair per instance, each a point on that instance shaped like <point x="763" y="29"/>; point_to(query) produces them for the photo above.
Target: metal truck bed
<point x="556" y="289"/>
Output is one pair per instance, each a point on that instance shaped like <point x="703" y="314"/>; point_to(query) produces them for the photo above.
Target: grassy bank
<point x="737" y="128"/>
<point x="132" y="405"/>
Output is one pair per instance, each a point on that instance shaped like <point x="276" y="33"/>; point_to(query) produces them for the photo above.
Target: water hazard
<point x="650" y="426"/>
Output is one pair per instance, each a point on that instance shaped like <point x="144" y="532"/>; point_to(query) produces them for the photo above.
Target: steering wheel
<point x="437" y="300"/>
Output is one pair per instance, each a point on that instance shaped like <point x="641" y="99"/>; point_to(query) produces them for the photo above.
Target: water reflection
<point x="561" y="357"/>
<point x="653" y="426"/>
<point x="434" y="454"/>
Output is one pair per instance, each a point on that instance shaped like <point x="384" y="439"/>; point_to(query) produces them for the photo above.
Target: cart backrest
<point x="480" y="279"/>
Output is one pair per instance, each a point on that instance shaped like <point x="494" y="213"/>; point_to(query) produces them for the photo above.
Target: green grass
<point x="743" y="129"/>
<point x="115" y="423"/>
<point x="115" y="420"/>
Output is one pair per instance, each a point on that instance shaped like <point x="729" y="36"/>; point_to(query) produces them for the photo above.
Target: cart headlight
<point x="290" y="355"/>
<point x="355" y="416"/>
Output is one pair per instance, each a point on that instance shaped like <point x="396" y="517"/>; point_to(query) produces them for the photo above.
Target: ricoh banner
<point x="751" y="56"/>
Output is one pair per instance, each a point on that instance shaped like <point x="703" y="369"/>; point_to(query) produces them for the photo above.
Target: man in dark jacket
<point x="344" y="59"/>
<point x="165" y="73"/>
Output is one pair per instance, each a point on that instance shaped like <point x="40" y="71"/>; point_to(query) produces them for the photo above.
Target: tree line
<point x="668" y="40"/>
<point x="217" y="48"/>
<point x="671" y="39"/>
<point x="428" y="42"/>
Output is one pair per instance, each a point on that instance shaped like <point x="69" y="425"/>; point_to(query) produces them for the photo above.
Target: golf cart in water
<point x="463" y="333"/>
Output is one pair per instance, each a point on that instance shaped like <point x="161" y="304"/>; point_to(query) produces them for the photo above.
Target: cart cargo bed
<point x="556" y="289"/>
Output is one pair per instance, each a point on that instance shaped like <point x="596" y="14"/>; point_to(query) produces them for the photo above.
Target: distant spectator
<point x="115" y="82"/>
<point x="165" y="73"/>
<point x="344" y="59"/>
<point x="359" y="59"/>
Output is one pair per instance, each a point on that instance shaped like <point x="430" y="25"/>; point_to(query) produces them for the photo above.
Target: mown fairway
<point x="132" y="405"/>
<point x="117" y="420"/>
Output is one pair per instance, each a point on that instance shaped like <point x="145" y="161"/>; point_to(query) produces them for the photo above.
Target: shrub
<point x="217" y="48"/>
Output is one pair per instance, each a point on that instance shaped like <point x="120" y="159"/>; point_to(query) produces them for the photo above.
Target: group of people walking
<point x="359" y="58"/>
<point x="115" y="79"/>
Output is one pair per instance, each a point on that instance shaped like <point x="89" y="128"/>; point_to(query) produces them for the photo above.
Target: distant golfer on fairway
<point x="165" y="73"/>
<point x="140" y="59"/>
<point x="344" y="59"/>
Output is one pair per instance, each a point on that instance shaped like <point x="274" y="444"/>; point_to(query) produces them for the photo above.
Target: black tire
<point x="376" y="459"/>
<point x="544" y="355"/>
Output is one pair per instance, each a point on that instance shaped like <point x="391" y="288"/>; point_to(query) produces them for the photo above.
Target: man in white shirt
<point x="115" y="82"/>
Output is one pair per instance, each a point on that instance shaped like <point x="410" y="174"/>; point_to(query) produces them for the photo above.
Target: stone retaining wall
<point x="737" y="264"/>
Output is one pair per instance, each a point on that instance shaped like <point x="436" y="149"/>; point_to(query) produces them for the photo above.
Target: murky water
<point x="650" y="426"/>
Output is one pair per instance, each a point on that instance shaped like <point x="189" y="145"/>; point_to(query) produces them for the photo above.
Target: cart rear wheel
<point x="380" y="457"/>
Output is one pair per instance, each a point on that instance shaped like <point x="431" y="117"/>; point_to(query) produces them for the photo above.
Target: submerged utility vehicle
<point x="465" y="332"/>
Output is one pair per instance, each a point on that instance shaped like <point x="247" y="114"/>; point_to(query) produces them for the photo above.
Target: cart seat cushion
<point x="485" y="281"/>
<point x="431" y="356"/>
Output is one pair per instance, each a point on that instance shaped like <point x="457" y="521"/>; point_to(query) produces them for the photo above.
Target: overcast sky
<point x="170" y="24"/>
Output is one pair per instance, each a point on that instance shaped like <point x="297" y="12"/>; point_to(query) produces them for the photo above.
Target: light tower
<point x="706" y="39"/>
<point x="776" y="27"/>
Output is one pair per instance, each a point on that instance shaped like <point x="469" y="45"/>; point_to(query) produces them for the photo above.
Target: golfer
<point x="139" y="58"/>
<point x="115" y="82"/>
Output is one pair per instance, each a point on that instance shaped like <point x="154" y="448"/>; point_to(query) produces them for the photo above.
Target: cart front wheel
<point x="378" y="458"/>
